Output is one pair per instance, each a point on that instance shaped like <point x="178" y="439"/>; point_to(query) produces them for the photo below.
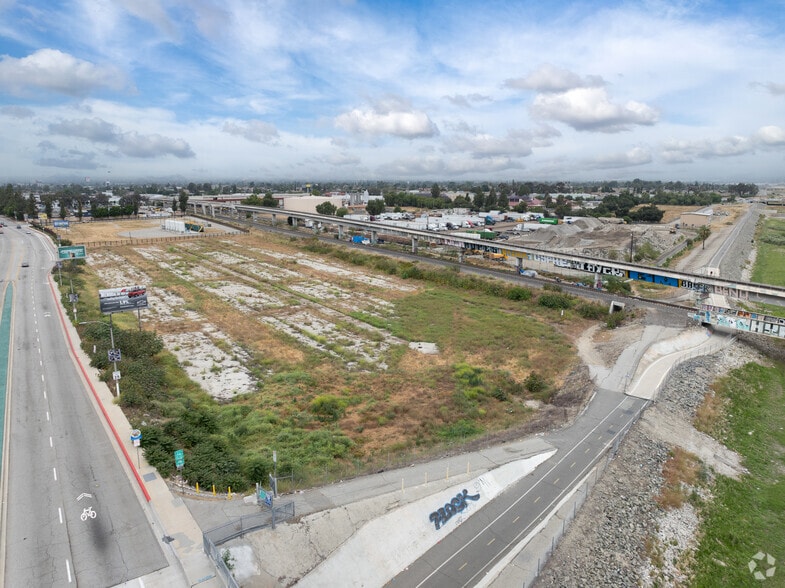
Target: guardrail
<point x="152" y="240"/>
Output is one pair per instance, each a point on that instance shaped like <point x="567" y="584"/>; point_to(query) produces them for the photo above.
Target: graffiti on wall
<point x="458" y="504"/>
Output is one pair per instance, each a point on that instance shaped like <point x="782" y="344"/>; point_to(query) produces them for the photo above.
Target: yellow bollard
<point x="213" y="489"/>
<point x="197" y="487"/>
<point x="229" y="494"/>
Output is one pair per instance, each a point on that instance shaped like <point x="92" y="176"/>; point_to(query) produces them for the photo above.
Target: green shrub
<point x="591" y="310"/>
<point x="459" y="430"/>
<point x="555" y="300"/>
<point x="328" y="408"/>
<point x="535" y="383"/>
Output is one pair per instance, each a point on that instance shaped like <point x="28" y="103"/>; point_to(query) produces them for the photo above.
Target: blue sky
<point x="313" y="90"/>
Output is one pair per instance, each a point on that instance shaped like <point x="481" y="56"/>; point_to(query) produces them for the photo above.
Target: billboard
<point x="122" y="299"/>
<point x="72" y="252"/>
<point x="61" y="224"/>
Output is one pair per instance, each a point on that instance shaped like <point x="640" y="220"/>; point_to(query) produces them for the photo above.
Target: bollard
<point x="213" y="489"/>
<point x="229" y="494"/>
<point x="197" y="487"/>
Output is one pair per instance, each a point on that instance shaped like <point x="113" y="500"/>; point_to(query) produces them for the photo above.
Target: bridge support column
<point x="373" y="237"/>
<point x="518" y="264"/>
<point x="274" y="220"/>
<point x="461" y="256"/>
<point x="414" y="244"/>
<point x="340" y="232"/>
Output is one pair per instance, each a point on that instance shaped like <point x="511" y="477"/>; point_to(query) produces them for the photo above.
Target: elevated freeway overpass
<point x="709" y="287"/>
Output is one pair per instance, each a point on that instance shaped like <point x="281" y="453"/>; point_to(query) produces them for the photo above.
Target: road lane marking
<point x="68" y="569"/>
<point x="492" y="540"/>
<point x="588" y="449"/>
<point x="55" y="473"/>
<point x="463" y="566"/>
<point x="60" y="514"/>
<point x="42" y="378"/>
<point x="536" y="500"/>
<point x="47" y="416"/>
<point x="50" y="441"/>
<point x="515" y="520"/>
<point x="556" y="481"/>
<point x="44" y="393"/>
<point x="572" y="465"/>
<point x="524" y="495"/>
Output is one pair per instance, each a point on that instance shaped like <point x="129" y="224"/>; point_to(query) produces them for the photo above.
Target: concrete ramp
<point x="660" y="358"/>
<point x="410" y="530"/>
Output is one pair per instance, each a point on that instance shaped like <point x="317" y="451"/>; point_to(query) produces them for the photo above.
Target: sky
<point x="400" y="90"/>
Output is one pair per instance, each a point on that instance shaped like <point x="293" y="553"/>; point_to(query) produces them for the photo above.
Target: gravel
<point x="620" y="524"/>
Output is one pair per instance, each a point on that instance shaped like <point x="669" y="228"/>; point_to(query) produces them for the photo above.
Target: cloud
<point x="549" y="78"/>
<point x="771" y="87"/>
<point x="466" y="100"/>
<point x="633" y="157"/>
<point x="50" y="70"/>
<point x="254" y="130"/>
<point x="436" y="167"/>
<point x="19" y="112"/>
<point x="516" y="143"/>
<point x="71" y="159"/>
<point x="389" y="116"/>
<point x="686" y="151"/>
<point x="590" y="109"/>
<point x="131" y="143"/>
<point x="770" y="136"/>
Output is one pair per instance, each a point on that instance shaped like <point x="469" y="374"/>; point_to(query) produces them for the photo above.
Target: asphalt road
<point x="71" y="517"/>
<point x="472" y="549"/>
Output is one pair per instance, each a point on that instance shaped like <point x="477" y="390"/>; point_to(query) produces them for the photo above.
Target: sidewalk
<point x="169" y="517"/>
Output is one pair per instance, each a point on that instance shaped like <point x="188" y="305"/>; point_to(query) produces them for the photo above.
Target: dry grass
<point x="679" y="472"/>
<point x="709" y="415"/>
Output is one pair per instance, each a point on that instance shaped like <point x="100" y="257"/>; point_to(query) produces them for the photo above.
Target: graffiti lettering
<point x="440" y="516"/>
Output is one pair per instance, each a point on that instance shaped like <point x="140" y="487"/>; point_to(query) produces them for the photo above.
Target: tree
<point x="183" y="201"/>
<point x="269" y="201"/>
<point x="703" y="234"/>
<point x="647" y="214"/>
<point x="375" y="206"/>
<point x="436" y="191"/>
<point x="174" y="206"/>
<point x="326" y="208"/>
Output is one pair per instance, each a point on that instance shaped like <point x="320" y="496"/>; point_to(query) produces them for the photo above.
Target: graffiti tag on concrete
<point x="456" y="505"/>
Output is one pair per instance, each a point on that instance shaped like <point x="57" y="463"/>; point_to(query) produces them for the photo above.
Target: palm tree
<point x="703" y="234"/>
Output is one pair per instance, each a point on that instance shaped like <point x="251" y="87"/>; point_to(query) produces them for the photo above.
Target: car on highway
<point x="25" y="264"/>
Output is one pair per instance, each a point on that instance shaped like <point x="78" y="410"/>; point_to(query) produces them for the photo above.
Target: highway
<point x="71" y="516"/>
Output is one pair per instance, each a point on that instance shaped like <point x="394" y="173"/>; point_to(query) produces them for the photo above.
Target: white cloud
<point x="549" y="78"/>
<point x="685" y="151"/>
<point x="634" y="157"/>
<point x="55" y="71"/>
<point x="390" y="116"/>
<point x="132" y="143"/>
<point x="590" y="109"/>
<point x="17" y="111"/>
<point x="253" y="130"/>
<point x="437" y="167"/>
<point x="771" y="87"/>
<point x="466" y="100"/>
<point x="770" y="136"/>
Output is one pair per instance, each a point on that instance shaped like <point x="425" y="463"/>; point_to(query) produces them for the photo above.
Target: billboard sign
<point x="61" y="224"/>
<point x="122" y="299"/>
<point x="72" y="252"/>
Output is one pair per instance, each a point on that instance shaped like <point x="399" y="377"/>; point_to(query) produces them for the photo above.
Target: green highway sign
<point x="72" y="252"/>
<point x="179" y="458"/>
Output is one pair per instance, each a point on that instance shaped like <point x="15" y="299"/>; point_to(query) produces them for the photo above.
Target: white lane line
<point x="55" y="473"/>
<point x="42" y="378"/>
<point x="47" y="416"/>
<point x="68" y="569"/>
<point x="50" y="442"/>
<point x="60" y="513"/>
<point x="44" y="394"/>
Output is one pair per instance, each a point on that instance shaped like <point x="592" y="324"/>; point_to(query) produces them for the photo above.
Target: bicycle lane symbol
<point x="88" y="513"/>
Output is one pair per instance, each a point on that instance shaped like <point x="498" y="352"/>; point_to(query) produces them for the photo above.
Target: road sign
<point x="114" y="354"/>
<point x="116" y="375"/>
<point x="61" y="224"/>
<point x="72" y="252"/>
<point x="179" y="458"/>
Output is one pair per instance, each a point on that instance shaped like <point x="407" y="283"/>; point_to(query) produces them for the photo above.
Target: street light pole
<point x="113" y="353"/>
<point x="111" y="339"/>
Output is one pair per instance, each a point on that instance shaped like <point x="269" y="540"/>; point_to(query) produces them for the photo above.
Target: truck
<point x="359" y="239"/>
<point x="489" y="220"/>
